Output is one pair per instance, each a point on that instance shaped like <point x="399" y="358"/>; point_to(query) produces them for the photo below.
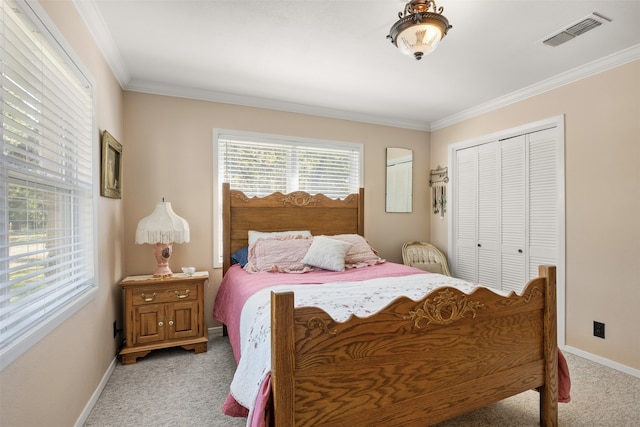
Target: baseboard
<point x="96" y="394"/>
<point x="601" y="360"/>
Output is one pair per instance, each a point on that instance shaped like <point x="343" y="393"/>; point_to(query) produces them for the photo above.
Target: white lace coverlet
<point x="340" y="300"/>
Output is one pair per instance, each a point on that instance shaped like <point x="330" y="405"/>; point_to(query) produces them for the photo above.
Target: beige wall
<point x="169" y="154"/>
<point x="53" y="381"/>
<point x="602" y="195"/>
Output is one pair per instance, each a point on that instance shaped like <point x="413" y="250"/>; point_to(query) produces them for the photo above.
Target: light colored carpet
<point x="174" y="387"/>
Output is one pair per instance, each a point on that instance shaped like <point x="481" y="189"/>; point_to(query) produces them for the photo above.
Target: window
<point x="260" y="164"/>
<point x="47" y="239"/>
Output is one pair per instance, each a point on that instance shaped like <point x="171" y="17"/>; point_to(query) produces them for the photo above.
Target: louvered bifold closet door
<point x="513" y="212"/>
<point x="489" y="232"/>
<point x="466" y="214"/>
<point x="506" y="209"/>
<point x="543" y="197"/>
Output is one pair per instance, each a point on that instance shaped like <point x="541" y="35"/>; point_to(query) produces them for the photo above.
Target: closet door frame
<point x="556" y="122"/>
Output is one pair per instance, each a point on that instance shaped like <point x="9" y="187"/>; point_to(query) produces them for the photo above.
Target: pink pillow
<point x="281" y="254"/>
<point x="360" y="254"/>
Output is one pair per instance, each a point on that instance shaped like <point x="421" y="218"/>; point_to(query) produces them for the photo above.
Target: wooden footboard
<point x="415" y="363"/>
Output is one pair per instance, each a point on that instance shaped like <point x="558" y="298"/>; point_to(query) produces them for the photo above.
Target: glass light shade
<point x="162" y="226"/>
<point x="420" y="28"/>
<point x="421" y="38"/>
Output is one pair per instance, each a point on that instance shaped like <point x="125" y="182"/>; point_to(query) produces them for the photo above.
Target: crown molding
<point x="270" y="104"/>
<point x="595" y="67"/>
<point x="622" y="57"/>
<point x="98" y="29"/>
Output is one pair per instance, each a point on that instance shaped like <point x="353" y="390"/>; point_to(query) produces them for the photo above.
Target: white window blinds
<point x="46" y="181"/>
<point x="260" y="164"/>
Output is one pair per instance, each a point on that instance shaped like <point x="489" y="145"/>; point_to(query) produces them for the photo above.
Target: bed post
<point x="549" y="392"/>
<point x="361" y="212"/>
<point x="282" y="358"/>
<point x="226" y="227"/>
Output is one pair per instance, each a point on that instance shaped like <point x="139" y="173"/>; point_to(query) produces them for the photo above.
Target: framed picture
<point x="111" y="173"/>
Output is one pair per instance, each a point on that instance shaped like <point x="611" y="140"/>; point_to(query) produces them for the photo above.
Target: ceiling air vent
<point x="586" y="24"/>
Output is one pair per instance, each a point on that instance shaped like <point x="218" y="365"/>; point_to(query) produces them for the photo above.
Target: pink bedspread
<point x="238" y="285"/>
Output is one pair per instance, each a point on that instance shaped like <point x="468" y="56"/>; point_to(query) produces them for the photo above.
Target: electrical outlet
<point x="115" y="329"/>
<point x="598" y="329"/>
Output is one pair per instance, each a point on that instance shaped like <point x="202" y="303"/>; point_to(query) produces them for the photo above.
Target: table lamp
<point x="162" y="228"/>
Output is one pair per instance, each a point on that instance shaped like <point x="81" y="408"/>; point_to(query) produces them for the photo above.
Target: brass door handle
<point x="186" y="294"/>
<point x="144" y="297"/>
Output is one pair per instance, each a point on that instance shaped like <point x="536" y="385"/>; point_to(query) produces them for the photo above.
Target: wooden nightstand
<point x="163" y="312"/>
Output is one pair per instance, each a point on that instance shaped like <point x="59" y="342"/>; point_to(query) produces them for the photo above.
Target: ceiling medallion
<point x="420" y="28"/>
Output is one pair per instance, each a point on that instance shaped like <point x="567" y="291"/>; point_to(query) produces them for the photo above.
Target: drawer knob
<point x="161" y="324"/>
<point x="186" y="294"/>
<point x="148" y="299"/>
<point x="170" y="322"/>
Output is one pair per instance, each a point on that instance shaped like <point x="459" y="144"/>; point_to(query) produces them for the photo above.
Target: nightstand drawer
<point x="155" y="295"/>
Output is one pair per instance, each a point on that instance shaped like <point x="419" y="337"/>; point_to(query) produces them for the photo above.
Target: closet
<point x="508" y="212"/>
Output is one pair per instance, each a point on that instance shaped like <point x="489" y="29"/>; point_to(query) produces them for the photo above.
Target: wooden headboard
<point x="281" y="212"/>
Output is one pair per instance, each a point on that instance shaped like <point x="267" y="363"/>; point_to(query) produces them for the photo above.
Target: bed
<point x="413" y="362"/>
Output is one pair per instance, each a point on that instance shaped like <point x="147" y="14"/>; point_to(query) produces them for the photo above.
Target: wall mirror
<point x="399" y="190"/>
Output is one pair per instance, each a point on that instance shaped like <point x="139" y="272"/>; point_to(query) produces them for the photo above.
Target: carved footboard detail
<point x="318" y="323"/>
<point x="445" y="308"/>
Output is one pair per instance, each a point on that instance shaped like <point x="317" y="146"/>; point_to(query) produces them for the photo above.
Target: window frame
<point x="264" y="137"/>
<point x="37" y="20"/>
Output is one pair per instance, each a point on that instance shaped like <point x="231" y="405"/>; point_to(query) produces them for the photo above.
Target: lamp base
<point x="162" y="252"/>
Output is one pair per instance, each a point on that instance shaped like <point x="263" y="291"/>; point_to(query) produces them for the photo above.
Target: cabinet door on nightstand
<point x="183" y="320"/>
<point x="148" y="324"/>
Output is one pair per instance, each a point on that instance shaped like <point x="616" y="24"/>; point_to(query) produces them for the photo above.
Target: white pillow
<point x="255" y="235"/>
<point x="327" y="253"/>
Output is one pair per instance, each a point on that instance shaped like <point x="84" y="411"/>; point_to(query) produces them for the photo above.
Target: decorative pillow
<point x="360" y="254"/>
<point x="281" y="254"/>
<point x="327" y="253"/>
<point x="241" y="256"/>
<point x="255" y="235"/>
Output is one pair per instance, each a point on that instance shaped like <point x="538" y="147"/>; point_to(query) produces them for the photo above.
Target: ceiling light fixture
<point x="420" y="28"/>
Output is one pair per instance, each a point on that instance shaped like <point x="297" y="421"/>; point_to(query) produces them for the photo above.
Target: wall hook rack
<point x="438" y="175"/>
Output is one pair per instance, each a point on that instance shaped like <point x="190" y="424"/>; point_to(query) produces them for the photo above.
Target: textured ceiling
<point x="332" y="58"/>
